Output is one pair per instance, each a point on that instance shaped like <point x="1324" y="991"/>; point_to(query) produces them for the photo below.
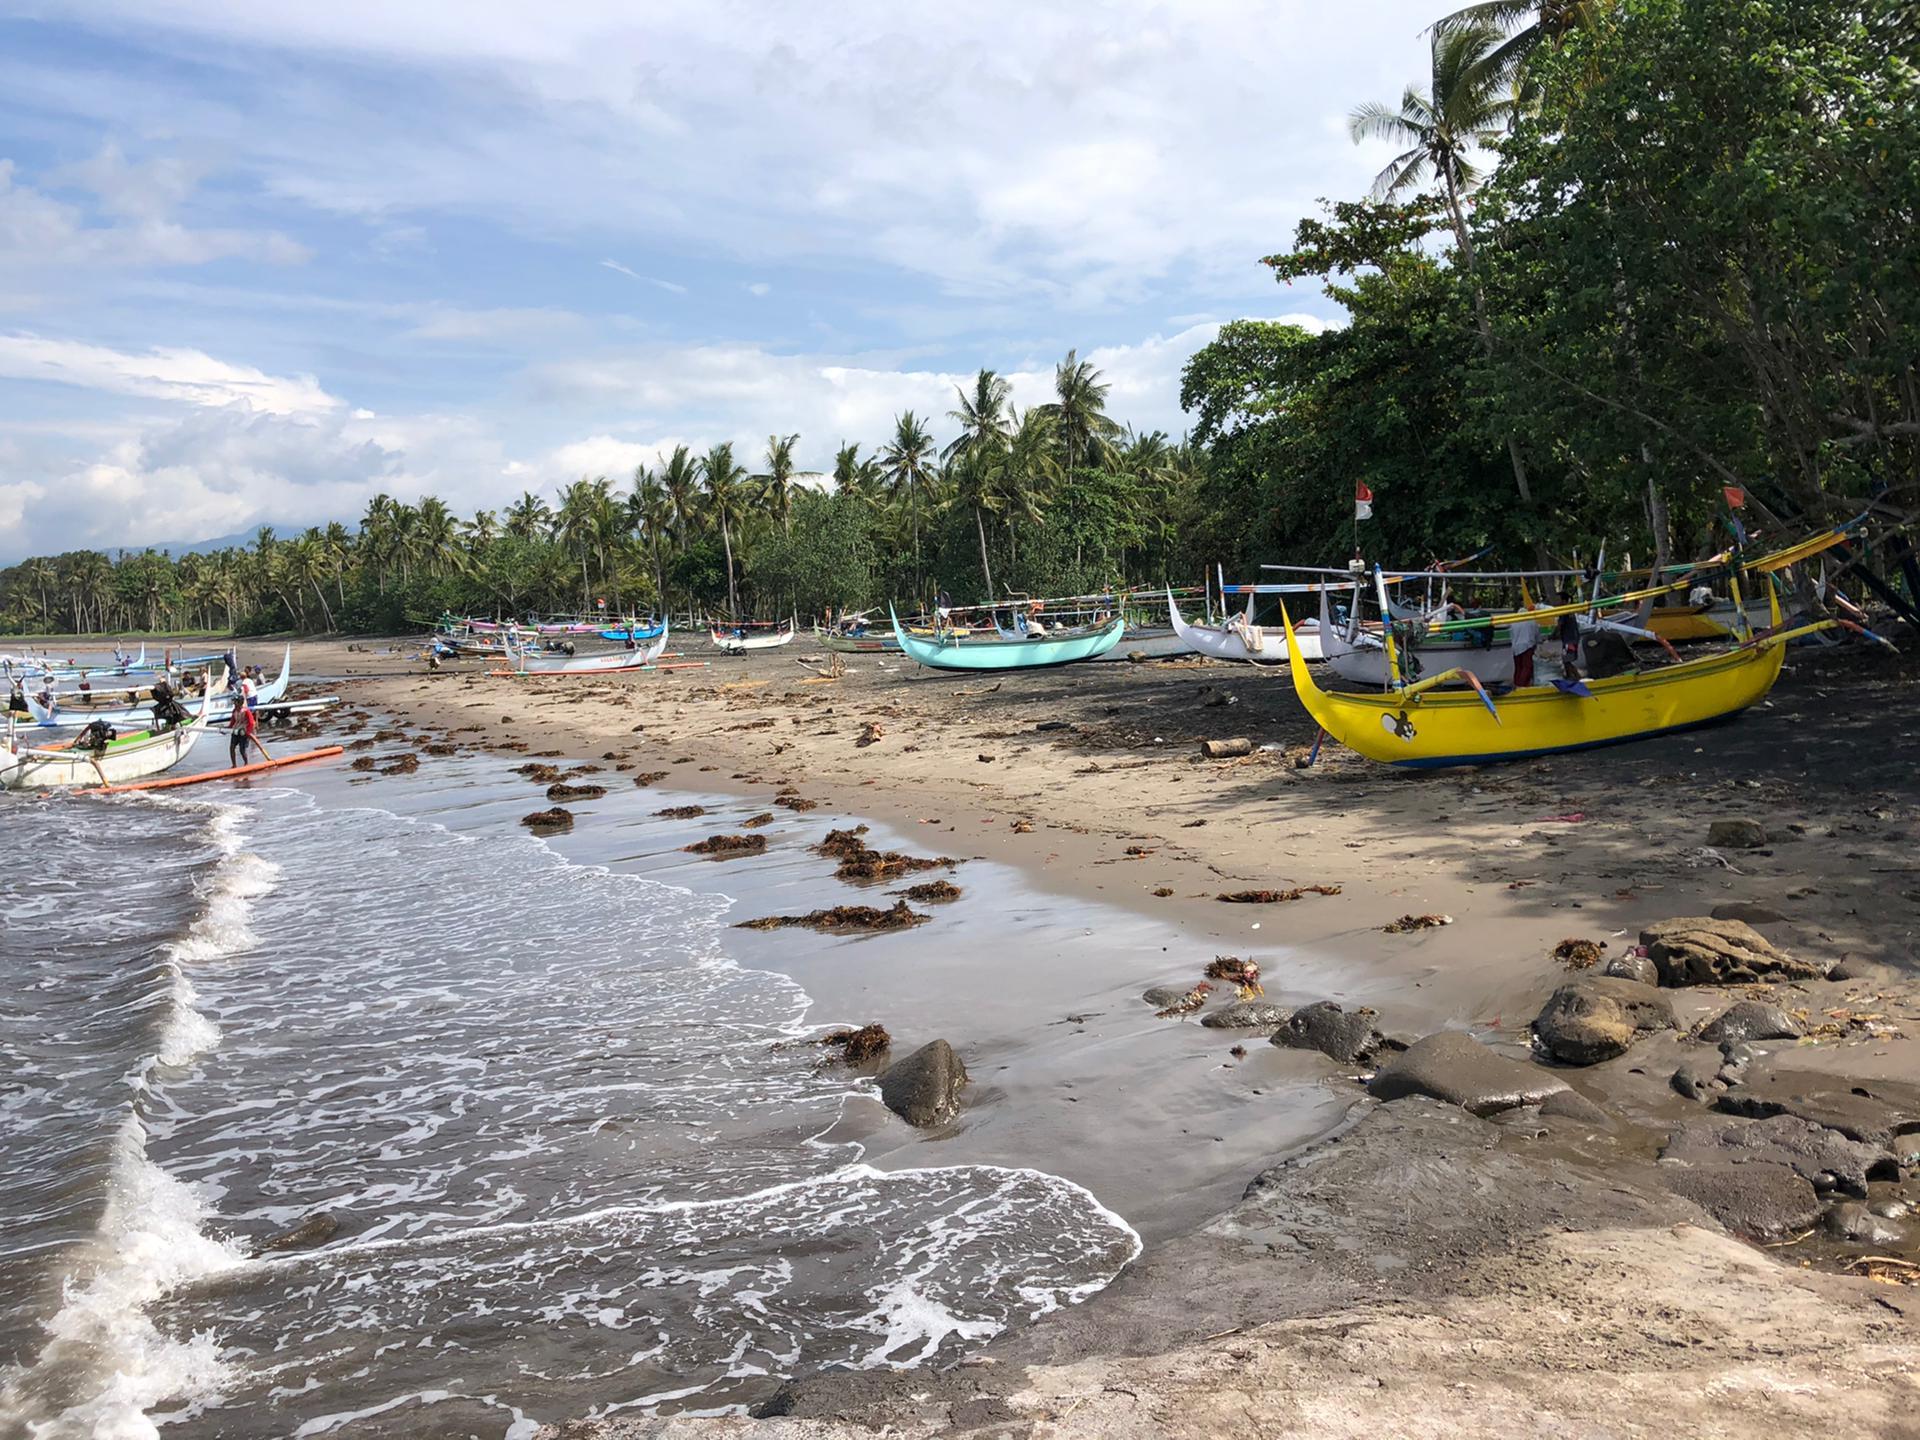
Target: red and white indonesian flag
<point x="1362" y="501"/>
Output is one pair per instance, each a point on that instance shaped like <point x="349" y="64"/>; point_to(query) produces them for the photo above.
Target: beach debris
<point x="858" y="861"/>
<point x="1191" y="1001"/>
<point x="754" y="822"/>
<point x="314" y="1230"/>
<point x="984" y="758"/>
<point x="1347" y="1036"/>
<point x="440" y="748"/>
<point x="1736" y="835"/>
<point x="1408" y="923"/>
<point x="857" y="1047"/>
<point x="1238" y="1052"/>
<point x="1274" y="897"/>
<point x="400" y="765"/>
<point x="871" y="733"/>
<point x="1163" y="891"/>
<point x="681" y="812"/>
<point x="924" y="1089"/>
<point x="841" y="844"/>
<point x="727" y="846"/>
<point x="539" y="771"/>
<point x="1220" y="699"/>
<point x="1885" y="1269"/>
<point x="795" y="801"/>
<point x="1226" y="749"/>
<point x="842" y="917"/>
<point x="1454" y="1067"/>
<point x="1699" y="950"/>
<point x="1247" y="1015"/>
<point x="563" y="791"/>
<point x="932" y="892"/>
<point x="1244" y="975"/>
<point x="363" y="762"/>
<point x="649" y="777"/>
<point x="1579" y="954"/>
<point x="1596" y="1018"/>
<point x="548" y="822"/>
<point x="1022" y="827"/>
<point x="1161" y="996"/>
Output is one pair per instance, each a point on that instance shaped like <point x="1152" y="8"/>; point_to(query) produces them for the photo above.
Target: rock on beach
<point x="1699" y="950"/>
<point x="924" y="1088"/>
<point x="1347" y="1036"/>
<point x="1594" y="1019"/>
<point x="1458" y="1069"/>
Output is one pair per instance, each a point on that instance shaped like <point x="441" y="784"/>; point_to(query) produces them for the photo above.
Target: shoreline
<point x="1519" y="858"/>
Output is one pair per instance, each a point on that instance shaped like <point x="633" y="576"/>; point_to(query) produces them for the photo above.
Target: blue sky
<point x="260" y="262"/>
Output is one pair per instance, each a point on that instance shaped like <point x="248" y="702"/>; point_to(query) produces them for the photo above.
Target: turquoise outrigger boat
<point x="990" y="652"/>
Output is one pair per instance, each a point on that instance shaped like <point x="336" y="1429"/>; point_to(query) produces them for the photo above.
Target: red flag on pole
<point x="1736" y="497"/>
<point x="1362" y="501"/>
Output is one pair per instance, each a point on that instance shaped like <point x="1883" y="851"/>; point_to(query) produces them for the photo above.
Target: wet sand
<point x="1087" y="782"/>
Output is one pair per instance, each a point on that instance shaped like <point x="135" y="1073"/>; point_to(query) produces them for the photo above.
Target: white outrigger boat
<point x="68" y="716"/>
<point x="131" y="757"/>
<point x="527" y="662"/>
<point x="1241" y="639"/>
<point x="741" y="641"/>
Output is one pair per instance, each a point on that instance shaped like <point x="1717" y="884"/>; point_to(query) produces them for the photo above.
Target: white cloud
<point x="38" y="231"/>
<point x="164" y="374"/>
<point x="1075" y="158"/>
<point x="759" y="289"/>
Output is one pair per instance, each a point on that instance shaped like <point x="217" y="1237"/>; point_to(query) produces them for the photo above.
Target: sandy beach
<point x="1357" y="1267"/>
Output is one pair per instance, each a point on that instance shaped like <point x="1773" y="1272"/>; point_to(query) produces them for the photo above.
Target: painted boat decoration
<point x="65" y="716"/>
<point x="130" y="758"/>
<point x="741" y="641"/>
<point x="1420" y="725"/>
<point x="990" y="652"/>
<point x="526" y="663"/>
<point x="1241" y="639"/>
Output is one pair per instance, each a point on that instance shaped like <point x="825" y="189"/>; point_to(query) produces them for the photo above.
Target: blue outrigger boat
<point x="954" y="651"/>
<point x="635" y="632"/>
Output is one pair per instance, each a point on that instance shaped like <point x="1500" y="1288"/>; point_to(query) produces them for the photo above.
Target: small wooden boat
<point x="527" y="662"/>
<point x="1422" y="725"/>
<point x="1360" y="657"/>
<point x="952" y="651"/>
<point x="63" y="714"/>
<point x="1150" y="642"/>
<point x="634" y="631"/>
<point x="1241" y="639"/>
<point x="130" y="757"/>
<point x="739" y="641"/>
<point x="867" y="642"/>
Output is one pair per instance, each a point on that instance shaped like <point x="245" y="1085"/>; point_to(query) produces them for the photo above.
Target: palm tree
<point x="306" y="564"/>
<point x="1527" y="25"/>
<point x="680" y="479"/>
<point x="727" y="502"/>
<point x="650" y="515"/>
<point x="1030" y="469"/>
<point x="528" y="517"/>
<point x="907" y="463"/>
<point x="439" y="535"/>
<point x="981" y="416"/>
<point x="580" y="524"/>
<point x="853" y="477"/>
<point x="779" y="478"/>
<point x="1079" y="411"/>
<point x="39" y="576"/>
<point x="1463" y="110"/>
<point x="975" y="476"/>
<point x="482" y="530"/>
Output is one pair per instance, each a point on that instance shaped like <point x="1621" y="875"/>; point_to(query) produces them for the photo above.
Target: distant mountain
<point x="177" y="548"/>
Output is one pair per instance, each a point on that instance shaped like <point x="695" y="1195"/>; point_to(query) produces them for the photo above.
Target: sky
<point x="260" y="262"/>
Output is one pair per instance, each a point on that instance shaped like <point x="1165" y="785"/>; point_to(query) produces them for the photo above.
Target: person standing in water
<point x="242" y="727"/>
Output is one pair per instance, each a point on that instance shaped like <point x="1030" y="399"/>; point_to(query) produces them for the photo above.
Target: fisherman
<point x="1525" y="635"/>
<point x="96" y="737"/>
<point x="241" y="729"/>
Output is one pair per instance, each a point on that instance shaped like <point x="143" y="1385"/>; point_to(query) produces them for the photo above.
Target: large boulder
<point x="1883" y="1113"/>
<point x="1246" y="1015"/>
<point x="1758" y="1201"/>
<point x="1458" y="1069"/>
<point x="1750" y="1020"/>
<point x="1825" y="1159"/>
<point x="924" y="1089"/>
<point x="1699" y="950"/>
<point x="1344" y="1035"/>
<point x="1596" y="1018"/>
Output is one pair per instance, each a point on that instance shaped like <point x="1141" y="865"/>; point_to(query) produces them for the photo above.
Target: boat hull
<point x="1243" y="640"/>
<point x="989" y="652"/>
<point x="134" y="758"/>
<point x="1367" y="664"/>
<point x="741" y="644"/>
<point x="525" y="664"/>
<point x="61" y="717"/>
<point x="1437" y="728"/>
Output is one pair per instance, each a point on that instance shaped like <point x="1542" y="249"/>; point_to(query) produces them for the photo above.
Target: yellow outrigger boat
<point x="1422" y="726"/>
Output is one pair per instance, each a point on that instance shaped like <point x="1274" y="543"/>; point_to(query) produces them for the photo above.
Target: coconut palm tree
<point x="779" y="478"/>
<point x="1527" y="25"/>
<point x="1463" y="109"/>
<point x="528" y="517"/>
<point x="727" y="502"/>
<point x="1030" y="469"/>
<point x="1079" y="409"/>
<point x="39" y="576"/>
<point x="907" y="463"/>
<point x="580" y="523"/>
<point x="482" y="530"/>
<point x="680" y="479"/>
<point x="981" y="416"/>
<point x="650" y="515"/>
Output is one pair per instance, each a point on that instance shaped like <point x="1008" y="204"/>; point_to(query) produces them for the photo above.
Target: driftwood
<point x="1226" y="749"/>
